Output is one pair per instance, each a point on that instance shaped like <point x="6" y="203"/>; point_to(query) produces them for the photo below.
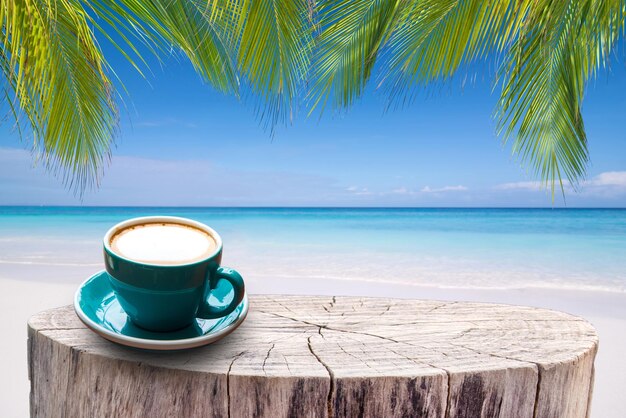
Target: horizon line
<point x="314" y="207"/>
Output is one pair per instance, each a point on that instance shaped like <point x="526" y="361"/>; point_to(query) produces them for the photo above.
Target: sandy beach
<point x="21" y="298"/>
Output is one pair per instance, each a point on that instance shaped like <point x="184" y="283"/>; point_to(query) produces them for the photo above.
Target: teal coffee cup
<point x="162" y="270"/>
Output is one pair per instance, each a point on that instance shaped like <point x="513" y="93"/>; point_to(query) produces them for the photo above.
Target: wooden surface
<point x="302" y="356"/>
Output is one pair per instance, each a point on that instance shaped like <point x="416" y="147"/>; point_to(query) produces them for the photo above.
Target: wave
<point x="464" y="286"/>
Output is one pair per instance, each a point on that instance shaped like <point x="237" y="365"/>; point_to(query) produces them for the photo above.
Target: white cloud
<point x="359" y="191"/>
<point x="145" y="181"/>
<point x="428" y="189"/>
<point x="604" y="184"/>
<point x="402" y="190"/>
<point x="521" y="185"/>
<point x="609" y="179"/>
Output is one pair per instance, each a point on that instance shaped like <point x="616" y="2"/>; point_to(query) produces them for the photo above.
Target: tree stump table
<point x="303" y="356"/>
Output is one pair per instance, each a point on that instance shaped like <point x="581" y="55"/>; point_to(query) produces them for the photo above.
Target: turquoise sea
<point x="477" y="248"/>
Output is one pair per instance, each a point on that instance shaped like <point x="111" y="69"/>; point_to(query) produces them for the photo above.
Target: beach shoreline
<point x="606" y="310"/>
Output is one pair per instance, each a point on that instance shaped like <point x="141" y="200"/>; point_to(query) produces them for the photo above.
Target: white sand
<point x="607" y="311"/>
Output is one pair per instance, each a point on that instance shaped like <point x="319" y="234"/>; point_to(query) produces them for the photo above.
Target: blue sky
<point x="184" y="144"/>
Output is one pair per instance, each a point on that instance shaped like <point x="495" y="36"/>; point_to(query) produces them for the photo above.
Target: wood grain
<point x="304" y="356"/>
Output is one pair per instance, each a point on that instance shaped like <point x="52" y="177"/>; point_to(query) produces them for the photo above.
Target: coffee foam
<point x="163" y="243"/>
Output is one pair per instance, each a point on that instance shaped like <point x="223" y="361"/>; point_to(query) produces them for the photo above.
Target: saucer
<point x="98" y="308"/>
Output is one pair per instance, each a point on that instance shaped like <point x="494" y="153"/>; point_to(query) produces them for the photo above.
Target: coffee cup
<point x="162" y="270"/>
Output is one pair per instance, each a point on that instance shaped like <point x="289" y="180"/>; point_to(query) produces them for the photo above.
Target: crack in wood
<point x="331" y="375"/>
<point x="292" y="319"/>
<point x="283" y="306"/>
<point x="361" y="360"/>
<point x="536" y="407"/>
<point x="333" y="328"/>
<point x="329" y="328"/>
<point x="464" y="333"/>
<point x="288" y="336"/>
<point x="287" y="364"/>
<point x="230" y="366"/>
<point x="267" y="356"/>
<point x="443" y="305"/>
<point x="363" y="333"/>
<point x="448" y="397"/>
<point x="419" y="363"/>
<point x="352" y="355"/>
<point x="359" y="333"/>
<point x="494" y="355"/>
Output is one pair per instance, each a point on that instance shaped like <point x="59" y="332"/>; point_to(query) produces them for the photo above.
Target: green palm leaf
<point x="272" y="41"/>
<point x="163" y="26"/>
<point x="351" y="34"/>
<point x="549" y="50"/>
<point x="434" y="38"/>
<point x="56" y="75"/>
<point x="544" y="77"/>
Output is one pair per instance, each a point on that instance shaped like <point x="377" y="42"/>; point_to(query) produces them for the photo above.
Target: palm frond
<point x="272" y="40"/>
<point x="549" y="50"/>
<point x="351" y="33"/>
<point x="165" y="26"/>
<point x="55" y="73"/>
<point x="434" y="38"/>
<point x="544" y="77"/>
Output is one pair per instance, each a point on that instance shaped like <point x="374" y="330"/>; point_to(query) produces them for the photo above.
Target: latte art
<point x="163" y="243"/>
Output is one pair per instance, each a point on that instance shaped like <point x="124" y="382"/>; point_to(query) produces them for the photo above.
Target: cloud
<point x="135" y="181"/>
<point x="459" y="188"/>
<point x="359" y="191"/>
<point x="521" y="185"/>
<point x="604" y="184"/>
<point x="609" y="179"/>
<point x="402" y="190"/>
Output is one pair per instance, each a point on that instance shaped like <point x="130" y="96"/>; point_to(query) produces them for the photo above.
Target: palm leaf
<point x="56" y="74"/>
<point x="272" y="40"/>
<point x="350" y="36"/>
<point x="544" y="78"/>
<point x="549" y="50"/>
<point x="163" y="26"/>
<point x="434" y="38"/>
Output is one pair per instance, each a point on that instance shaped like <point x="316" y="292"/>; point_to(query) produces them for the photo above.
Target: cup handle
<point x="207" y="311"/>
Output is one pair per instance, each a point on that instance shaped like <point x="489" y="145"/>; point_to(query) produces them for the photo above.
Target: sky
<point x="182" y="143"/>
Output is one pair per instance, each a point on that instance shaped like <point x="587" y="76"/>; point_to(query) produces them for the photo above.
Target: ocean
<point x="453" y="248"/>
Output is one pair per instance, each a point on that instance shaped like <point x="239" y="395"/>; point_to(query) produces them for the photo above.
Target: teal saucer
<point x="97" y="307"/>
